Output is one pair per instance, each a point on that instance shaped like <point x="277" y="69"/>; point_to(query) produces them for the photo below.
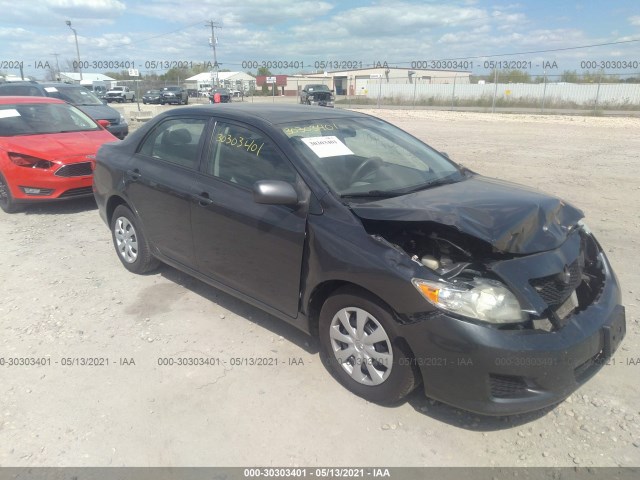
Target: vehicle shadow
<point x="241" y="308"/>
<point x="67" y="207"/>
<point x="469" y="420"/>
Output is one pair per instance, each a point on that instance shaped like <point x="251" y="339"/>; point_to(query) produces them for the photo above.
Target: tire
<point x="186" y="101"/>
<point x="144" y="102"/>
<point x="133" y="99"/>
<point x="130" y="243"/>
<point x="7" y="202"/>
<point x="373" y="364"/>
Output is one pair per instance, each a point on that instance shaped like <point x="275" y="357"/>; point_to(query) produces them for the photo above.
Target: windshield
<point x="74" y="95"/>
<point x="40" y="118"/>
<point x="318" y="88"/>
<point x="362" y="157"/>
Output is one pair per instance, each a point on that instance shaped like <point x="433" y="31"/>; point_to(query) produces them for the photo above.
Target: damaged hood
<point x="510" y="217"/>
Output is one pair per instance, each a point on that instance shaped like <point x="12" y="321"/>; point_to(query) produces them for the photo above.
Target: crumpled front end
<point x="571" y="319"/>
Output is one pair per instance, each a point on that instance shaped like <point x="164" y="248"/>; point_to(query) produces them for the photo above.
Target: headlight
<point x="123" y="121"/>
<point x="584" y="227"/>
<point x="482" y="299"/>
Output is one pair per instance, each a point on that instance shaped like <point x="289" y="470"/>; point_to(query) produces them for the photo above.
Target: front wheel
<point x="360" y="348"/>
<point x="7" y="202"/>
<point x="130" y="243"/>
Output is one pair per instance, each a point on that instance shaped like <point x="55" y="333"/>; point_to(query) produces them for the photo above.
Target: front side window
<point x="175" y="141"/>
<point x="243" y="156"/>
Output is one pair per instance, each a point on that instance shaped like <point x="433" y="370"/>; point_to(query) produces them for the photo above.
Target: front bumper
<point x="50" y="187"/>
<point x="502" y="372"/>
<point x="171" y="99"/>
<point x="322" y="103"/>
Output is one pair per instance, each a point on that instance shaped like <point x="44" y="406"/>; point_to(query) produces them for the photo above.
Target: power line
<point x="154" y="36"/>
<point x="550" y="50"/>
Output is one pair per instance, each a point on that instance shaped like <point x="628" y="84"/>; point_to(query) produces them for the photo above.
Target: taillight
<point x="29" y="161"/>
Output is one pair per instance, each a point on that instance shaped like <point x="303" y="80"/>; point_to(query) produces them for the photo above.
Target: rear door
<point x="161" y="181"/>
<point x="255" y="249"/>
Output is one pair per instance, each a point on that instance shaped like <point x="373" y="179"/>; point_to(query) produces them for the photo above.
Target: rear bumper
<point x="503" y="372"/>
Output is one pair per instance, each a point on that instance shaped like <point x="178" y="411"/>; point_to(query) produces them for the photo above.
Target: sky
<point x="150" y="35"/>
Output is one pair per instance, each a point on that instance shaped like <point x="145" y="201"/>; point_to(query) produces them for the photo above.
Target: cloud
<point x="635" y="20"/>
<point x="85" y="8"/>
<point x="233" y="12"/>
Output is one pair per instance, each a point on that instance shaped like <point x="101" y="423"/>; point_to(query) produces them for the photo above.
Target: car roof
<point x="10" y="100"/>
<point x="272" y="114"/>
<point x="60" y="85"/>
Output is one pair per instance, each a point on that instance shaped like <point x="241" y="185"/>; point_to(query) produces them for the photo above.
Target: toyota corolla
<point x="410" y="269"/>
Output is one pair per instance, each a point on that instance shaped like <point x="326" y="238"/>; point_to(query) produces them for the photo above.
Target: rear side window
<point x="175" y="141"/>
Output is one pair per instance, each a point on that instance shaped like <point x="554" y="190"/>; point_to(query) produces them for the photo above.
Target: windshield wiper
<point x="435" y="183"/>
<point x="371" y="193"/>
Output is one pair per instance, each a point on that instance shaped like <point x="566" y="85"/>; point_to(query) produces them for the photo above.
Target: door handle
<point x="203" y="199"/>
<point x="134" y="174"/>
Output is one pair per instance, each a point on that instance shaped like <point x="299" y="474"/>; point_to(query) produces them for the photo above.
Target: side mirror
<point x="445" y="154"/>
<point x="103" y="123"/>
<point x="274" y="192"/>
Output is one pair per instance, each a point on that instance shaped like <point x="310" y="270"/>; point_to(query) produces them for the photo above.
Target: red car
<point x="47" y="150"/>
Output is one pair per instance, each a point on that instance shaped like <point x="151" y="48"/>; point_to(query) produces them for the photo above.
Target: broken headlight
<point x="481" y="299"/>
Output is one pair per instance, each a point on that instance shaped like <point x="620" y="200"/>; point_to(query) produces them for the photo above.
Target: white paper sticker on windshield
<point x="50" y="89"/>
<point x="10" y="112"/>
<point x="327" y="146"/>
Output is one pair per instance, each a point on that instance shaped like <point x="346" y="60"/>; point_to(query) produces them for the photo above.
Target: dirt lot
<point x="66" y="296"/>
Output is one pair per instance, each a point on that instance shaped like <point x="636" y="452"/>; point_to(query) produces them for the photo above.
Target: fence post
<point x="544" y="91"/>
<point x="453" y="93"/>
<point x="595" y="106"/>
<point x="495" y="90"/>
<point x="379" y="90"/>
<point x="415" y="85"/>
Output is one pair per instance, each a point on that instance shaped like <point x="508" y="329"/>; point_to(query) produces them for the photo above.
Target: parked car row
<point x="74" y="94"/>
<point x="409" y="268"/>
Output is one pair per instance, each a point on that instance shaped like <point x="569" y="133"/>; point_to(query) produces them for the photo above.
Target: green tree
<point x="570" y="76"/>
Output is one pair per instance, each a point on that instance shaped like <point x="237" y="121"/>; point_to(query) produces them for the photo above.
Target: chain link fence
<point x="597" y="93"/>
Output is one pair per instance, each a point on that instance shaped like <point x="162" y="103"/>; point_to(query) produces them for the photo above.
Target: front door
<point x="253" y="248"/>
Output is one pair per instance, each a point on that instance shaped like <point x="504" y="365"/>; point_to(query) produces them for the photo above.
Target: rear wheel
<point x="360" y="348"/>
<point x="133" y="99"/>
<point x="7" y="202"/>
<point x="130" y="243"/>
<point x="186" y="100"/>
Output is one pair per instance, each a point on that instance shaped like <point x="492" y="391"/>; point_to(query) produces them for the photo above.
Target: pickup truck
<point x="317" y="95"/>
<point x="120" y="95"/>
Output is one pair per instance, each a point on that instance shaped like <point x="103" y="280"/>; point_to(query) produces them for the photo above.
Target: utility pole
<point x="57" y="79"/>
<point x="75" y="34"/>
<point x="213" y="42"/>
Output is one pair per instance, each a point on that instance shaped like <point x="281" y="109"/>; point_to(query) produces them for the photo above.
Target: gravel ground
<point x="66" y="296"/>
